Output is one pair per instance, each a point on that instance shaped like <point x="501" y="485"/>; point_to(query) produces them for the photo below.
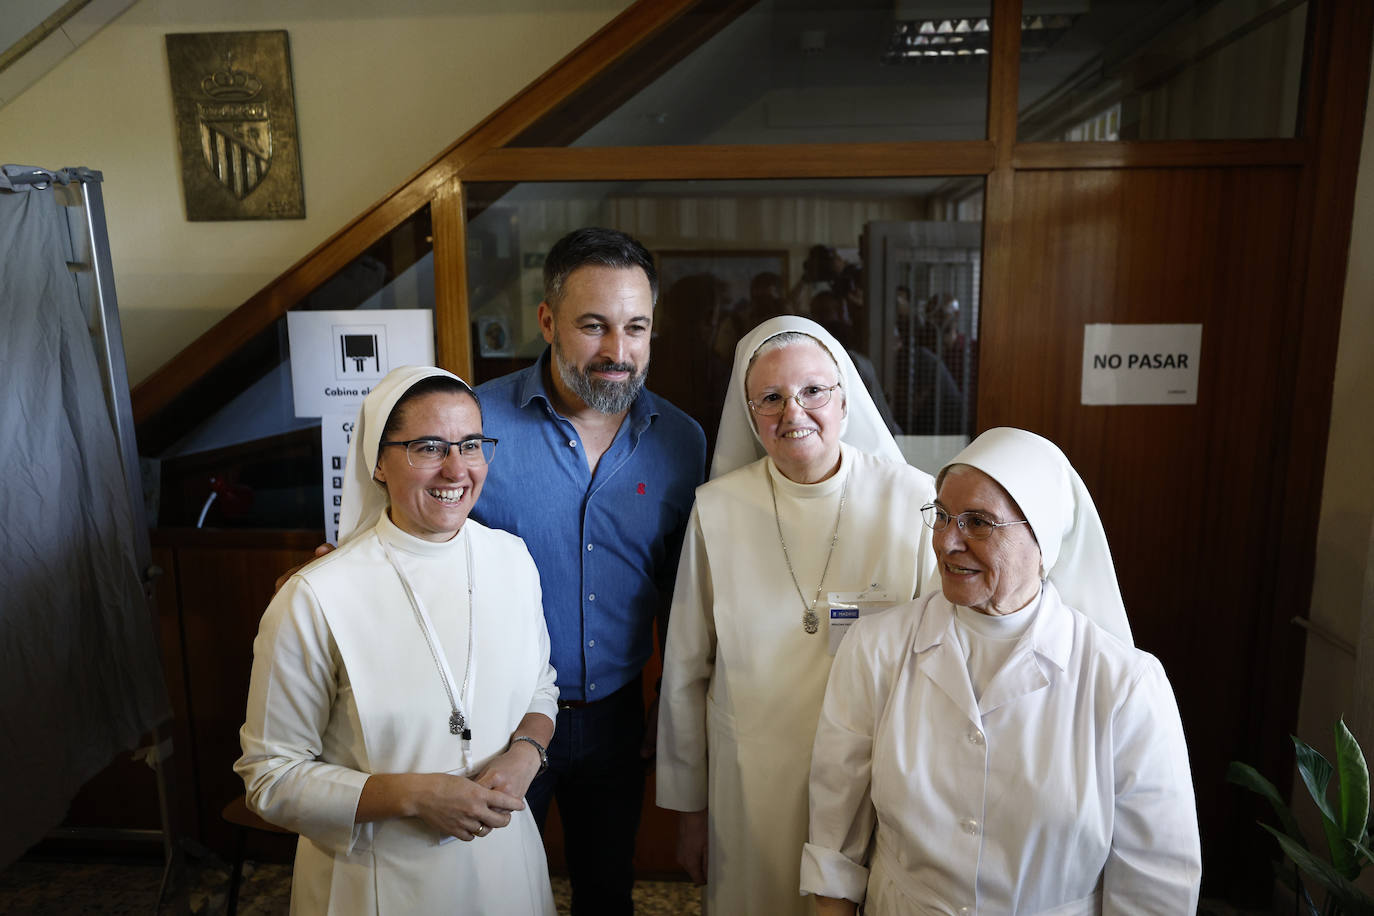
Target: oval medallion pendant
<point x="810" y="622"/>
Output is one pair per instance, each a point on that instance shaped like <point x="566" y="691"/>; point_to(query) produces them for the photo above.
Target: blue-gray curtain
<point x="79" y="673"/>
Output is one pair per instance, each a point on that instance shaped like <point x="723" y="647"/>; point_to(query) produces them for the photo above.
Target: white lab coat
<point x="1065" y="790"/>
<point x="344" y="685"/>
<point x="743" y="682"/>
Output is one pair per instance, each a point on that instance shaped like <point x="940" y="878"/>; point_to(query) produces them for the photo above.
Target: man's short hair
<point x="595" y="246"/>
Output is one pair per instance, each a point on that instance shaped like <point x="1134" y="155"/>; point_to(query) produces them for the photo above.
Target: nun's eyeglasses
<point x="975" y="525"/>
<point x="810" y="397"/>
<point x="430" y="453"/>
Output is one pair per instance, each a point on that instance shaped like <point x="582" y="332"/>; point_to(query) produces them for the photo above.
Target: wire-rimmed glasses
<point x="808" y="397"/>
<point x="427" y="453"/>
<point x="975" y="525"/>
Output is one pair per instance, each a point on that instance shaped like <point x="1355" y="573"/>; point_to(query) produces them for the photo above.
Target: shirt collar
<point x="643" y="410"/>
<point x="1050" y="635"/>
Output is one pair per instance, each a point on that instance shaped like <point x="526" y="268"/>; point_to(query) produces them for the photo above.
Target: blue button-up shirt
<point x="606" y="544"/>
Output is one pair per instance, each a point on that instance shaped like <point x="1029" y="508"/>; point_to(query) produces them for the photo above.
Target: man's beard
<point x="601" y="395"/>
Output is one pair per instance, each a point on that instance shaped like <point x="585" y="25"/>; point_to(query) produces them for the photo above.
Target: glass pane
<point x="1140" y="70"/>
<point x="790" y="71"/>
<point x="232" y="453"/>
<point x="890" y="266"/>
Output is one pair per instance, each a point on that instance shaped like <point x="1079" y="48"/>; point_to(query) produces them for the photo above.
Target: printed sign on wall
<point x="336" y="357"/>
<point x="335" y="435"/>
<point x="1141" y="363"/>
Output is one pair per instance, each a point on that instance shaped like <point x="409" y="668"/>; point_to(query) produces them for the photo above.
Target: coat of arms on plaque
<point x="236" y="124"/>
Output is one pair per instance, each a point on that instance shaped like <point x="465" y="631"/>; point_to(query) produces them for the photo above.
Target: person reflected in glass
<point x="998" y="745"/>
<point x="401" y="695"/>
<point x="809" y="498"/>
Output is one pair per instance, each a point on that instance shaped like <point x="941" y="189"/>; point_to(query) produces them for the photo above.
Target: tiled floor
<point x="49" y="888"/>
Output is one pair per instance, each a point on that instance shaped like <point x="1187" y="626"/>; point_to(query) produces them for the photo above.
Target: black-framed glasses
<point x="430" y="453"/>
<point x="809" y="397"/>
<point x="975" y="525"/>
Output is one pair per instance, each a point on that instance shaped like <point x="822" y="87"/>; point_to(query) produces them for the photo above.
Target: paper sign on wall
<point x="1141" y="363"/>
<point x="336" y="357"/>
<point x="335" y="434"/>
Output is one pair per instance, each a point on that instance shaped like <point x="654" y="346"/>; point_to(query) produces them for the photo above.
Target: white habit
<point x="743" y="682"/>
<point x="344" y="685"/>
<point x="1063" y="789"/>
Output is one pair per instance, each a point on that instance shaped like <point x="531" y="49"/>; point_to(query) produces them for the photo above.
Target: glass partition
<point x="230" y="451"/>
<point x="890" y="266"/>
<point x="790" y="71"/>
<point x="1133" y="70"/>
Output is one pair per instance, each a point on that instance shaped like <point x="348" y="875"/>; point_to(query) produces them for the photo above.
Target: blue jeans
<point x="596" y="774"/>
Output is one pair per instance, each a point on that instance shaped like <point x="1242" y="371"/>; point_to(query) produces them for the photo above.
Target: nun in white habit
<point x="809" y="499"/>
<point x="999" y="746"/>
<point x="401" y="694"/>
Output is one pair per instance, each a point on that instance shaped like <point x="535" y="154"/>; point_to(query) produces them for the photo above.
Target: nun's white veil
<point x="738" y="443"/>
<point x="1073" y="544"/>
<point x="363" y="499"/>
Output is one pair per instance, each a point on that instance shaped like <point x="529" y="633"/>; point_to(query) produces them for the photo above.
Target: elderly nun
<point x="999" y="746"/>
<point x="805" y="524"/>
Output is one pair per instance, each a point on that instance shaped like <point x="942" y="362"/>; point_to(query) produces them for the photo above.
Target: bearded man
<point x="597" y="475"/>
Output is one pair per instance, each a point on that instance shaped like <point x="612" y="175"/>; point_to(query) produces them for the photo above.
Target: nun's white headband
<point x="738" y="443"/>
<point x="364" y="500"/>
<point x="1073" y="544"/>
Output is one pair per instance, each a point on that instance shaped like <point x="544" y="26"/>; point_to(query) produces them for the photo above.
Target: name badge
<point x="847" y="607"/>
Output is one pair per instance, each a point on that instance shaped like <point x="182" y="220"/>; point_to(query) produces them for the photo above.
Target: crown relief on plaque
<point x="236" y="124"/>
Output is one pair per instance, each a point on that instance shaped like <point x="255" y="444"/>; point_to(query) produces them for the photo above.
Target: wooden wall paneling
<point x="1184" y="492"/>
<point x="452" y="331"/>
<point x="226" y="583"/>
<point x="998" y="282"/>
<point x="1160" y="154"/>
<point x="802" y="160"/>
<point x="641" y="21"/>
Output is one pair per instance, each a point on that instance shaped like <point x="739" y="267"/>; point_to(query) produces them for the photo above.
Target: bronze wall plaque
<point x="236" y="125"/>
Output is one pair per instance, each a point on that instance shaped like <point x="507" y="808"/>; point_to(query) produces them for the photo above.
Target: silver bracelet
<point x="543" y="752"/>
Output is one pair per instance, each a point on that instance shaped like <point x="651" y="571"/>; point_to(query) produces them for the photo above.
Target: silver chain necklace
<point x="457" y="722"/>
<point x="810" y="622"/>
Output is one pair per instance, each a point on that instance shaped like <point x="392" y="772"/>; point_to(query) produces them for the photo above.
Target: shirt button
<point x="591" y="643"/>
<point x="572" y="443"/>
<point x="591" y="597"/>
<point x="591" y="686"/>
<point x="970" y="826"/>
<point x="975" y="737"/>
<point x="589" y="546"/>
<point x="965" y="910"/>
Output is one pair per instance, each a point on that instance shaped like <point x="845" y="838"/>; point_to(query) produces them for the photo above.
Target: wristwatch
<point x="543" y="752"/>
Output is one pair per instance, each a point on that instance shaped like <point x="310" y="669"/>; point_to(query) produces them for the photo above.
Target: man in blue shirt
<point x="597" y="476"/>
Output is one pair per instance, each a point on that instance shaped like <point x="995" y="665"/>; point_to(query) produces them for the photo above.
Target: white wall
<point x="381" y="88"/>
<point x="1347" y="512"/>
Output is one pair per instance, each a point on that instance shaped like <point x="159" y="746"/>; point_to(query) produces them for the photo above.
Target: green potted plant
<point x="1346" y="824"/>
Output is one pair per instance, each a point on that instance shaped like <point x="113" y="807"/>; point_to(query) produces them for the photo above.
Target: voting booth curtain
<point x="79" y="673"/>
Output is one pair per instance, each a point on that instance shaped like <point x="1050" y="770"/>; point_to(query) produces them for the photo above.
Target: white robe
<point x="743" y="682"/>
<point x="344" y="685"/>
<point x="1064" y="790"/>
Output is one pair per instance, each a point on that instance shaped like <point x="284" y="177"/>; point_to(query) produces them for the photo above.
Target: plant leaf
<point x="1247" y="777"/>
<point x="1354" y="776"/>
<point x="1316" y="773"/>
<point x="1354" y="901"/>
